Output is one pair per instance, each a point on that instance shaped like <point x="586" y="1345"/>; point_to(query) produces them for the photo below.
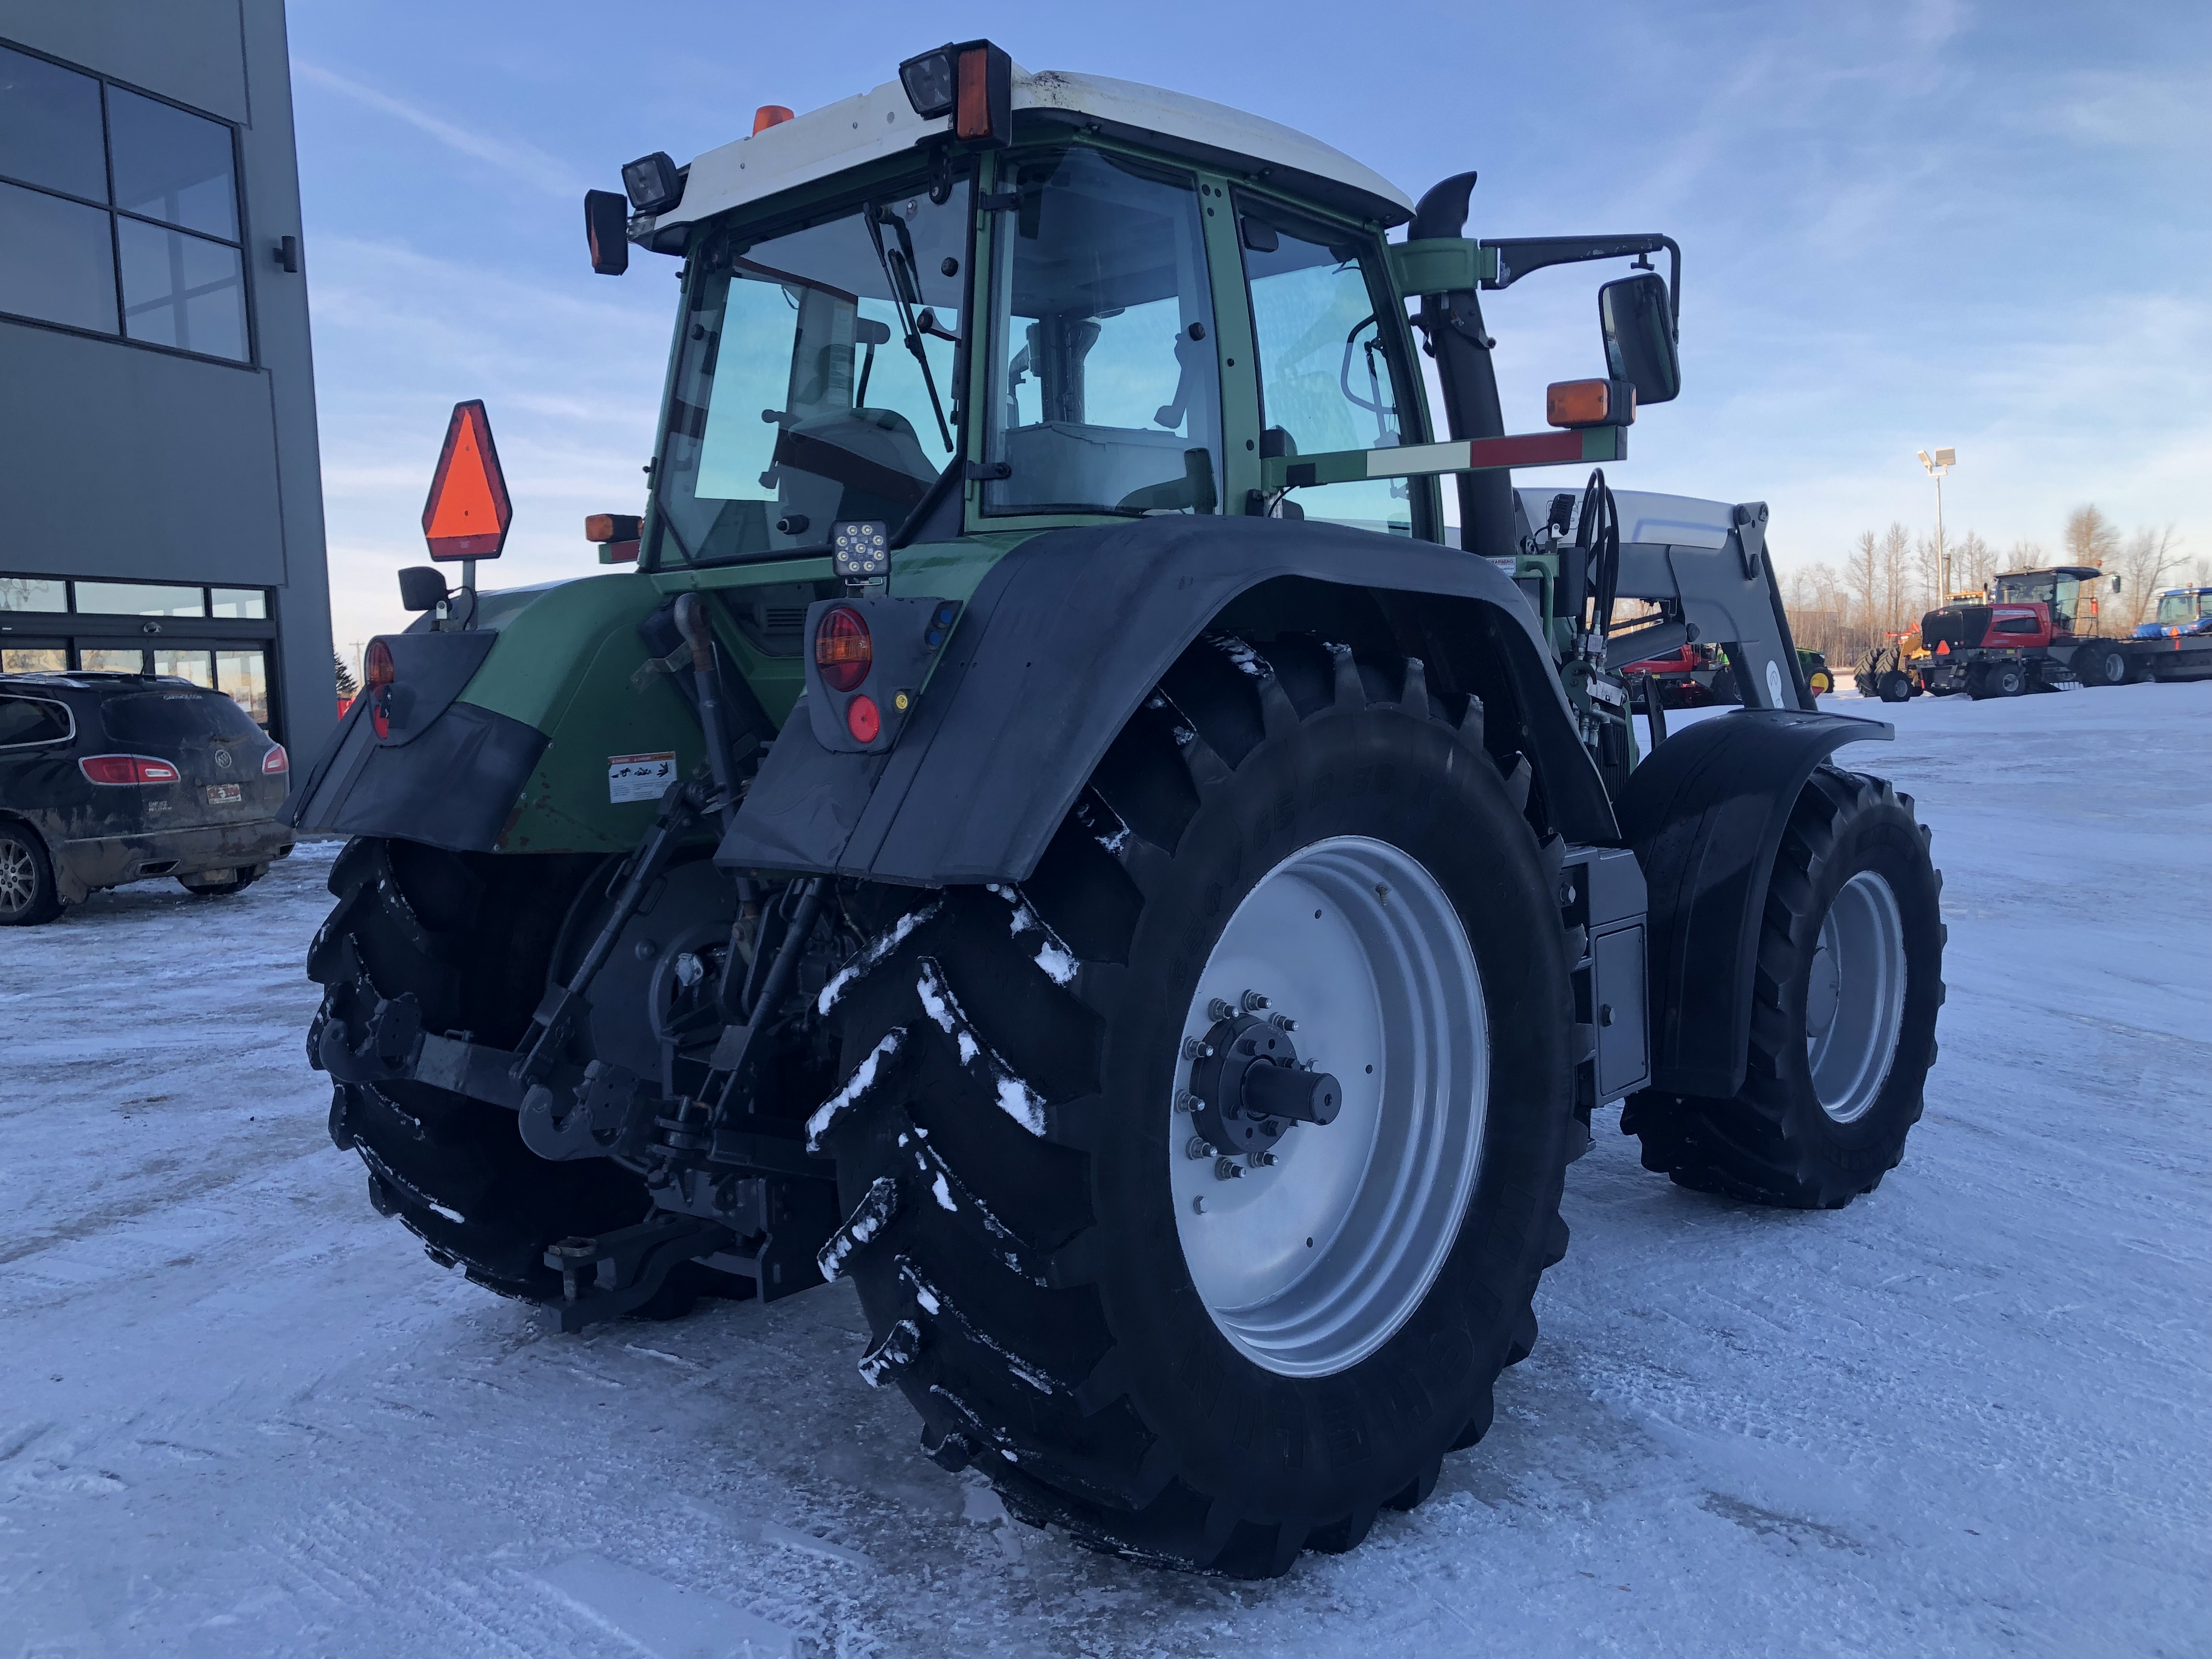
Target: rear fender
<point x="1069" y="632"/>
<point x="1705" y="814"/>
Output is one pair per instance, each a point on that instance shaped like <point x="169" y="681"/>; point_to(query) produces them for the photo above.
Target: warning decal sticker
<point x="639" y="777"/>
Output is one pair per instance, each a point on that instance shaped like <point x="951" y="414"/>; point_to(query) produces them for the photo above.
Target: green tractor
<point x="1055" y="827"/>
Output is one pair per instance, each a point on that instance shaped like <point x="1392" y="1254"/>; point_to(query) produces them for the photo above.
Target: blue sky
<point x="1903" y="225"/>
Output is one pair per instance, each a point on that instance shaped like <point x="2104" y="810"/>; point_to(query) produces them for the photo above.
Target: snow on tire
<point x="1012" y="1156"/>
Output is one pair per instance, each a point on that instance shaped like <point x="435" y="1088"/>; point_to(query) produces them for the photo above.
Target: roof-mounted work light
<point x="653" y="183"/>
<point x="972" y="81"/>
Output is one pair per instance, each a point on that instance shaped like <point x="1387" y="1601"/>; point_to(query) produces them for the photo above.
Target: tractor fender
<point x="1704" y="814"/>
<point x="1060" y="642"/>
<point x="445" y="772"/>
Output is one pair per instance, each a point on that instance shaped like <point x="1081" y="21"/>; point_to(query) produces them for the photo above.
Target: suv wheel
<point x="1088" y="1261"/>
<point x="28" y="894"/>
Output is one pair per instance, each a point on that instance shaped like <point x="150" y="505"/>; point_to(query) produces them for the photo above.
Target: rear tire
<point x="28" y="897"/>
<point x="1895" y="686"/>
<point x="1845" y="998"/>
<point x="1015" y="1163"/>
<point x="469" y="936"/>
<point x="2102" y="664"/>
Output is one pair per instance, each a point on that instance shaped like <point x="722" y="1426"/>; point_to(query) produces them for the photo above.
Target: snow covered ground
<point x="240" y="1415"/>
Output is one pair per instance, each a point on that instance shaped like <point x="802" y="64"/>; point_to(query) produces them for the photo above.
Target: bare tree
<point x="1974" y="561"/>
<point x="1895" y="560"/>
<point x="2144" y="562"/>
<point x="2091" y="538"/>
<point x="1863" y="581"/>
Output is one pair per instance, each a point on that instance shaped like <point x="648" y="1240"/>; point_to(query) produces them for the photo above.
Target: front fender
<point x="1060" y="642"/>
<point x="1705" y="814"/>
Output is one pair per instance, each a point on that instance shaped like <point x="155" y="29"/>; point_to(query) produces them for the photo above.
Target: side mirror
<point x="1638" y="325"/>
<point x="422" y="588"/>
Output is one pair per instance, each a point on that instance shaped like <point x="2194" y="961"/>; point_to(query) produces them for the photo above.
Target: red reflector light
<point x="843" y="652"/>
<point x="275" y="759"/>
<point x="770" y="115"/>
<point x="380" y="717"/>
<point x="127" y="769"/>
<point x="376" y="666"/>
<point x="863" y="719"/>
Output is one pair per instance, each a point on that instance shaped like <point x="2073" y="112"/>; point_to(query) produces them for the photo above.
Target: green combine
<point x="1044" y="818"/>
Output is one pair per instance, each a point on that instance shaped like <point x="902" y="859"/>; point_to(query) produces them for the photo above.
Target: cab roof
<point x="875" y="125"/>
<point x="2080" y="573"/>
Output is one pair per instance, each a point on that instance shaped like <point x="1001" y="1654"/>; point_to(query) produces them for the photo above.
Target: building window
<point x="119" y="214"/>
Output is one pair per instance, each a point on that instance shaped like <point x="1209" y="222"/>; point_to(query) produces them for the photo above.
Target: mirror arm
<point x="1517" y="256"/>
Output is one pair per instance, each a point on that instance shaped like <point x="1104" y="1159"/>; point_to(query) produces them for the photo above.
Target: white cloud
<point x="527" y="162"/>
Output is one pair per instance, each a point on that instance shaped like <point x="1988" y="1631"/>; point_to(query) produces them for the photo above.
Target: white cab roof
<point x="873" y="126"/>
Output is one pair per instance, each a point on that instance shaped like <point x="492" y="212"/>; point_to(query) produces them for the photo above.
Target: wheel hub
<point x="1247" y="1088"/>
<point x="1309" y="1250"/>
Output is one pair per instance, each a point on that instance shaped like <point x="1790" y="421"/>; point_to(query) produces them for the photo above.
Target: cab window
<point x="815" y="378"/>
<point x="1327" y="380"/>
<point x="1104" y="391"/>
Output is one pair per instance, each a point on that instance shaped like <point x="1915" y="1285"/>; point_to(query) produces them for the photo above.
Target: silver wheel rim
<point x="19" y="877"/>
<point x="1855" y="997"/>
<point x="1310" y="1265"/>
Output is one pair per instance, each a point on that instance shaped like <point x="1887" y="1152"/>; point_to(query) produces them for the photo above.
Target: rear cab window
<point x="25" y="721"/>
<point x="153" y="718"/>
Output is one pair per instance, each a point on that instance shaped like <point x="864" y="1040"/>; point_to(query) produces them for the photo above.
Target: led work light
<point x="652" y="183"/>
<point x="972" y="81"/>
<point x="860" y="549"/>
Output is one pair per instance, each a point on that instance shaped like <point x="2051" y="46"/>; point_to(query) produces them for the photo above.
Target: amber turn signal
<point x="1589" y="403"/>
<point x="603" y="527"/>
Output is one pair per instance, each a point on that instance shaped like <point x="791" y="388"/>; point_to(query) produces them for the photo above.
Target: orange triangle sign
<point x="467" y="515"/>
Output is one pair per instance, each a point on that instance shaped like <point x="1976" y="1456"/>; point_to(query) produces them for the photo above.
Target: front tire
<point x="2102" y="664"/>
<point x="1848" y="983"/>
<point x="1021" y="1181"/>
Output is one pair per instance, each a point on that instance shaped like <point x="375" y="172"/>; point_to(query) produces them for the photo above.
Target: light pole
<point x="1937" y="465"/>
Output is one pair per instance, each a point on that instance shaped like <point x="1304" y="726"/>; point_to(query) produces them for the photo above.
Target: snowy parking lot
<point x="240" y="1414"/>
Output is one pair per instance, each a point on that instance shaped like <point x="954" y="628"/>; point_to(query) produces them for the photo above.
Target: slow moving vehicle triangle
<point x="468" y="512"/>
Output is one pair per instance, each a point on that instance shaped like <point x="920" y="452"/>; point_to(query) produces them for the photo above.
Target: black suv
<point x="111" y="778"/>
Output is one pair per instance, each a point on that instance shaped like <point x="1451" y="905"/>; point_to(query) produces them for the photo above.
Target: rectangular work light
<point x="653" y="183"/>
<point x="972" y="81"/>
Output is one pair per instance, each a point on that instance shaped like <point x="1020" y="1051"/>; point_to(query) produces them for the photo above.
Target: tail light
<point x="126" y="768"/>
<point x="842" y="648"/>
<point x="275" y="759"/>
<point x="377" y="667"/>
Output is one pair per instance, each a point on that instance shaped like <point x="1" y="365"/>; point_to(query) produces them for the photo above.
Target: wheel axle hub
<point x="1250" y="1086"/>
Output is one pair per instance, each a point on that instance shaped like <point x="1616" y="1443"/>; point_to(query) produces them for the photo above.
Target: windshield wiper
<point x="904" y="293"/>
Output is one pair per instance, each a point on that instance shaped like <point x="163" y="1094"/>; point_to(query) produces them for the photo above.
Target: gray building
<point x="160" y="498"/>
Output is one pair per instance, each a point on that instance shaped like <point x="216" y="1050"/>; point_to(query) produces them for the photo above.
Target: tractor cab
<point x="2180" y="611"/>
<point x="2058" y="591"/>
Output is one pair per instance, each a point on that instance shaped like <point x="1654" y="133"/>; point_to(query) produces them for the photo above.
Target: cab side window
<point x="26" y="721"/>
<point x="1327" y="381"/>
<point x="1104" y="392"/>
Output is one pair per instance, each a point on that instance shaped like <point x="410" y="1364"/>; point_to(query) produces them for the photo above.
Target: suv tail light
<point x="842" y="648"/>
<point x="275" y="759"/>
<point x="126" y="768"/>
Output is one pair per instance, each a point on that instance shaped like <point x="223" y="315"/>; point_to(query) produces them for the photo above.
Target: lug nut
<point x="1282" y="1022"/>
<point x="1220" y="1009"/>
<point x="1186" y="1101"/>
<point x="1199" y="1147"/>
<point x="1228" y="1168"/>
<point x="1197" y="1048"/>
<point x="1261" y="1160"/>
<point x="1253" y="1002"/>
